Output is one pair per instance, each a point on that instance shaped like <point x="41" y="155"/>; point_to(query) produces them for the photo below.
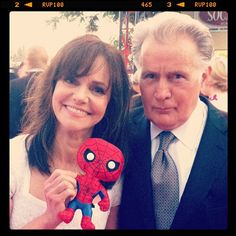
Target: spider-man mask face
<point x="100" y="159"/>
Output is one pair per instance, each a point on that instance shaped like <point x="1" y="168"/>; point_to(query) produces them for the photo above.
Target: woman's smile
<point x="78" y="111"/>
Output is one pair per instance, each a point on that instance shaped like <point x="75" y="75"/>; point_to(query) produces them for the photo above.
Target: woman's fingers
<point x="60" y="187"/>
<point x="61" y="176"/>
<point x="66" y="173"/>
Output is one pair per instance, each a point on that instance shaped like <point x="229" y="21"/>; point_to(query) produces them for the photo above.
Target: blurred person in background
<point x="35" y="62"/>
<point x="216" y="87"/>
<point x="135" y="84"/>
<point x="135" y="91"/>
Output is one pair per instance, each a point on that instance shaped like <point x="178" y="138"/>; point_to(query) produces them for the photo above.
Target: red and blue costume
<point x="101" y="161"/>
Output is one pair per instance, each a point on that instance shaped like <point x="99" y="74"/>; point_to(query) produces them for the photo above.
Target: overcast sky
<point x="30" y="28"/>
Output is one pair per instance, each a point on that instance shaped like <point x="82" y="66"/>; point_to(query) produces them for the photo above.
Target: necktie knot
<point x="166" y="137"/>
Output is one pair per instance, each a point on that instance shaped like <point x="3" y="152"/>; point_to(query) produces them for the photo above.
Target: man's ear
<point x="206" y="74"/>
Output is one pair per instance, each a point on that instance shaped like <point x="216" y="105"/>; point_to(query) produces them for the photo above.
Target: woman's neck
<point x="66" y="146"/>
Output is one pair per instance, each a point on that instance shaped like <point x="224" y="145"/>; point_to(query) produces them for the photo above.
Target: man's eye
<point x="150" y="76"/>
<point x="178" y="76"/>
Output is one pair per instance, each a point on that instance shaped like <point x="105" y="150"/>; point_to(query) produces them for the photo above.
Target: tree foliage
<point x="92" y="19"/>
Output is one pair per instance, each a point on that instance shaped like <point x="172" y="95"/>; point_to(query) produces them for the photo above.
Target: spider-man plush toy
<point x="101" y="161"/>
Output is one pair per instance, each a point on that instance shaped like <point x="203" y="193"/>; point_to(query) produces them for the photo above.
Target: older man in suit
<point x="172" y="52"/>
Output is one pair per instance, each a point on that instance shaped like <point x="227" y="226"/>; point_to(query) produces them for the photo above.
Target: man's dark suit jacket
<point x="204" y="202"/>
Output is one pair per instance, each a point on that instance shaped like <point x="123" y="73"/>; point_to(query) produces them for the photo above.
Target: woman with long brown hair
<point x="83" y="93"/>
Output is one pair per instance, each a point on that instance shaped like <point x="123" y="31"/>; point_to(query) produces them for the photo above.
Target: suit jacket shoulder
<point x="204" y="202"/>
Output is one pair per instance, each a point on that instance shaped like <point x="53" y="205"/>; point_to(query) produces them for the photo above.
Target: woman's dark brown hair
<point x="75" y="57"/>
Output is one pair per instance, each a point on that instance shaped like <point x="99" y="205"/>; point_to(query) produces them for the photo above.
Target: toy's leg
<point x="86" y="222"/>
<point x="68" y="214"/>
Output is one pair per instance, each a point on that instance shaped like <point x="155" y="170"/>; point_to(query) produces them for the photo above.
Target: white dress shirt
<point x="184" y="148"/>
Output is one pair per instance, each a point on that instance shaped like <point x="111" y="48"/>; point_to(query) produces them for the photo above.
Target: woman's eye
<point x="68" y="81"/>
<point x="98" y="90"/>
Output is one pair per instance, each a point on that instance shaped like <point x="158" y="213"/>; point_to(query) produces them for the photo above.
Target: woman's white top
<point x="26" y="207"/>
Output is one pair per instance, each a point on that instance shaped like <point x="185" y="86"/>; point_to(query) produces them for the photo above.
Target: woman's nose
<point x="81" y="94"/>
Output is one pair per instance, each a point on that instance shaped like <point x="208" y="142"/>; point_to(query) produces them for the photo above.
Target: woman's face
<point x="81" y="104"/>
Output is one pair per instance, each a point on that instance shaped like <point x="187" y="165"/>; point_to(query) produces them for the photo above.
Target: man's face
<point x="171" y="78"/>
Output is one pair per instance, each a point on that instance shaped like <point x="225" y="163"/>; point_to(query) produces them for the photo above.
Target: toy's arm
<point x="105" y="201"/>
<point x="77" y="182"/>
<point x="78" y="177"/>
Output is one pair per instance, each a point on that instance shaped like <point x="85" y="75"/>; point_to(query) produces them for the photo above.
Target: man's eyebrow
<point x="147" y="72"/>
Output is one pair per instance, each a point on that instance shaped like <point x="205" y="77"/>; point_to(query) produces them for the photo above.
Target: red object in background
<point x="101" y="161"/>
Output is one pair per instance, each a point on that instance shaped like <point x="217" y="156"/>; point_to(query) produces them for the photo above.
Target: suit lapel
<point x="142" y="148"/>
<point x="141" y="145"/>
<point x="142" y="136"/>
<point x="210" y="155"/>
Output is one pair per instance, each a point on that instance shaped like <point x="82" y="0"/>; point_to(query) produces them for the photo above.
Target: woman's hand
<point x="59" y="189"/>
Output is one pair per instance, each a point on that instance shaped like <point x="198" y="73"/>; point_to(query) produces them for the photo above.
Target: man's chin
<point x="164" y="125"/>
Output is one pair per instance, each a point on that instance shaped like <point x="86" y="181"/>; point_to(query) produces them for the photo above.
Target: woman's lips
<point x="77" y="111"/>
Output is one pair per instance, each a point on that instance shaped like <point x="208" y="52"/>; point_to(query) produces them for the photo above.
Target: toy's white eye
<point x="111" y="165"/>
<point x="90" y="156"/>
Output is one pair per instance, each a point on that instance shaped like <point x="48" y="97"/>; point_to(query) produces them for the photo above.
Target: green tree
<point x="92" y="20"/>
<point x="82" y="17"/>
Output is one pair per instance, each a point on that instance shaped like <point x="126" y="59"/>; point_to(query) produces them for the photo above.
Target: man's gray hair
<point x="166" y="25"/>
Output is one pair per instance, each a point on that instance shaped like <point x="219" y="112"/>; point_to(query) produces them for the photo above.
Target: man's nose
<point x="162" y="89"/>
